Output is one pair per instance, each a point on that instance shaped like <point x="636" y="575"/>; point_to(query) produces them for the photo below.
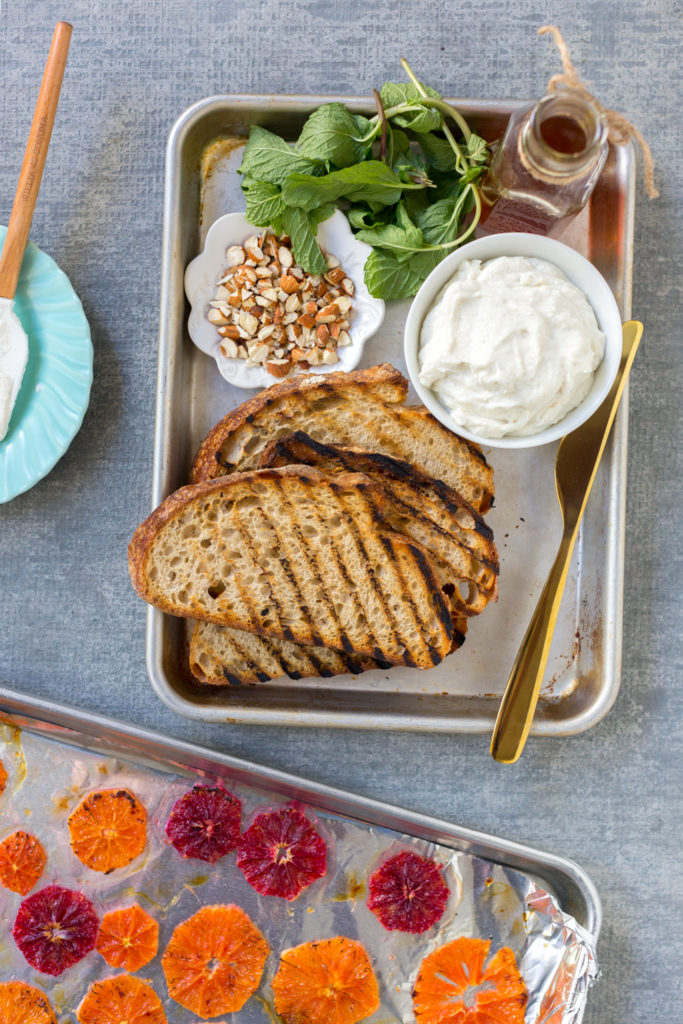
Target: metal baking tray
<point x="562" y="878"/>
<point x="461" y="694"/>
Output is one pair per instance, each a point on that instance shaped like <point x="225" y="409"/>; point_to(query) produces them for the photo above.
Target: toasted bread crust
<point x="411" y="635"/>
<point x="207" y="464"/>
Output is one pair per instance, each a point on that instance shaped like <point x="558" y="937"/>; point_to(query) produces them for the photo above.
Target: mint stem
<point x="383" y="116"/>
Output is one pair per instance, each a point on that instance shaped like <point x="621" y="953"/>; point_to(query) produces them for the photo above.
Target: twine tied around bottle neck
<point x="619" y="128"/>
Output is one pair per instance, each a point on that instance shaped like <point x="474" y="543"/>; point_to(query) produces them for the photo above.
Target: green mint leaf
<point x="397" y="142"/>
<point x="403" y="239"/>
<point x="264" y="202"/>
<point x="477" y="150"/>
<point x="419" y="118"/>
<point x="438" y="152"/>
<point x="387" y="278"/>
<point x="332" y="133"/>
<point x="301" y="228"/>
<point x="321" y="213"/>
<point x="267" y="157"/>
<point x="371" y="181"/>
<point x="440" y="222"/>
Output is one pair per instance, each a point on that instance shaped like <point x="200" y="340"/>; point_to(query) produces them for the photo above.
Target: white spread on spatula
<point x="13" y="357"/>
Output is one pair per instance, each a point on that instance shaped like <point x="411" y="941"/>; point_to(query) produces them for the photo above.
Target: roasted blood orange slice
<point x="281" y="853"/>
<point x="455" y="985"/>
<point x="214" y="961"/>
<point x="24" y="1004"/>
<point x="108" y="829"/>
<point x="121" y="1000"/>
<point x="205" y="823"/>
<point x="128" y="938"/>
<point x="326" y="982"/>
<point x="22" y="860"/>
<point x="407" y="893"/>
<point x="55" y="928"/>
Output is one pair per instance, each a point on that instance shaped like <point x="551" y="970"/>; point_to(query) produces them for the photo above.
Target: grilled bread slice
<point x="220" y="655"/>
<point x="424" y="509"/>
<point x="364" y="409"/>
<point x="304" y="393"/>
<point x="295" y="554"/>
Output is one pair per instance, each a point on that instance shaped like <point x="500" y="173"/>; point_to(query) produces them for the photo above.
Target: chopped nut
<point x="343" y="340"/>
<point x="259" y="353"/>
<point x="292" y="303"/>
<point x="335" y="276"/>
<point x="306" y="320"/>
<point x="289" y="284"/>
<point x="214" y="316"/>
<point x="249" y="323"/>
<point x="285" y="256"/>
<point x="327" y="314"/>
<point x="322" y="333"/>
<point x="329" y="357"/>
<point x="231" y="331"/>
<point x="347" y="285"/>
<point x="279" y="367"/>
<point x="235" y="255"/>
<point x="229" y="349"/>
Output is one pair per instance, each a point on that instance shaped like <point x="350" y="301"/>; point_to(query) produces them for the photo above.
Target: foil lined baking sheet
<point x="47" y="780"/>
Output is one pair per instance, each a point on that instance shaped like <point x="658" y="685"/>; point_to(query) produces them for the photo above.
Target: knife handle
<point x="34" y="162"/>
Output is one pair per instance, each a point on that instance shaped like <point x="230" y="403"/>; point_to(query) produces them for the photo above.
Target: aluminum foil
<point x="47" y="779"/>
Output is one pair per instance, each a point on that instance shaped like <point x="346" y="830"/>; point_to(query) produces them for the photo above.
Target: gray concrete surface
<point x="70" y="625"/>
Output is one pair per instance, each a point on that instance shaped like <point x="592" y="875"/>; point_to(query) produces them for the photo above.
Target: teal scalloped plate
<point x="55" y="390"/>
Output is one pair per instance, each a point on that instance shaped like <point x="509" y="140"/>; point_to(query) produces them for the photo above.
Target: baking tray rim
<point x="483" y="722"/>
<point x="173" y="754"/>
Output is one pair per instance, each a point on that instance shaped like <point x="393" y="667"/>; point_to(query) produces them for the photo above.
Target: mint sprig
<point x="408" y="186"/>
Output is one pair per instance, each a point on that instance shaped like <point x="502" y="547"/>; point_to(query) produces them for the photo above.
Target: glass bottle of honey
<point x="546" y="165"/>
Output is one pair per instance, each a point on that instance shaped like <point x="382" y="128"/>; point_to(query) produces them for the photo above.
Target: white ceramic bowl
<point x="579" y="271"/>
<point x="335" y="236"/>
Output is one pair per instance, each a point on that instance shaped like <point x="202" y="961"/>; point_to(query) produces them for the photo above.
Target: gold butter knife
<point x="578" y="458"/>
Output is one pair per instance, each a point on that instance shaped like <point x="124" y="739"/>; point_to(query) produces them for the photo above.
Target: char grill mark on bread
<point x="224" y="551"/>
<point x="363" y="408"/>
<point x="220" y="655"/>
<point x="424" y="509"/>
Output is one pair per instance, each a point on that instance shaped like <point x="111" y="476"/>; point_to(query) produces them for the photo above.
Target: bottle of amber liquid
<point x="546" y="165"/>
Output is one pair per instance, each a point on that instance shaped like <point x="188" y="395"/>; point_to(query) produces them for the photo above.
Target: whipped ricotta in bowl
<point x="510" y="346"/>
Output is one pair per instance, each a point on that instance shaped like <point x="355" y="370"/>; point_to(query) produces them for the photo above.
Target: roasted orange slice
<point x="121" y="1000"/>
<point x="455" y="985"/>
<point x="214" y="961"/>
<point x="108" y="829"/>
<point x="22" y="860"/>
<point x="3" y="778"/>
<point x="326" y="982"/>
<point x="24" y="1004"/>
<point x="128" y="938"/>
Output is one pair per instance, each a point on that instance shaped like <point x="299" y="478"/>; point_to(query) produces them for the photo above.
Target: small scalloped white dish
<point x="334" y="236"/>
